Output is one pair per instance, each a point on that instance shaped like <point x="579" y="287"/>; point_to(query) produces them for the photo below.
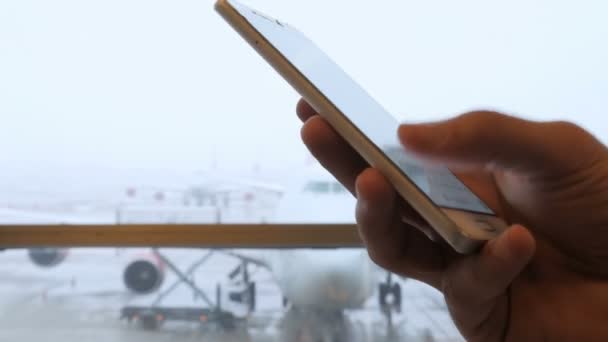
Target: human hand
<point x="546" y="283"/>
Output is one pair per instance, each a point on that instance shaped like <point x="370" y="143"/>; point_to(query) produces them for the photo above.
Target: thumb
<point x="476" y="287"/>
<point x="484" y="276"/>
<point x="496" y="140"/>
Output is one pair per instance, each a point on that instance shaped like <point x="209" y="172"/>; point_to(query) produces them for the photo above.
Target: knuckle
<point x="378" y="250"/>
<point x="447" y="140"/>
<point x="478" y="125"/>
<point x="380" y="256"/>
<point x="482" y="121"/>
<point x="306" y="132"/>
<point x="317" y="137"/>
<point x="567" y="128"/>
<point x="572" y="136"/>
<point x="485" y="116"/>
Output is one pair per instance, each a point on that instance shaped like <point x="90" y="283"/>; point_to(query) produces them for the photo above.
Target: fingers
<point x="304" y="110"/>
<point x="411" y="217"/>
<point x="497" y="140"/>
<point x="329" y="148"/>
<point x="483" y="277"/>
<point x="341" y="160"/>
<point x="476" y="287"/>
<point x="332" y="151"/>
<point x="391" y="244"/>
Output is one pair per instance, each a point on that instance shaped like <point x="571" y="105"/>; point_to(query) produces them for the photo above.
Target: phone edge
<point x="436" y="217"/>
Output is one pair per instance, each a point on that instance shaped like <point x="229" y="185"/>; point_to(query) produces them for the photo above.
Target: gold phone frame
<point x="464" y="231"/>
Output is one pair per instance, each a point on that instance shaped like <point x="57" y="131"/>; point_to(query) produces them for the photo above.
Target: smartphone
<point x="452" y="210"/>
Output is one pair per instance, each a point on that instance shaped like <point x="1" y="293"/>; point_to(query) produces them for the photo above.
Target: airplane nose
<point x="331" y="279"/>
<point x="346" y="280"/>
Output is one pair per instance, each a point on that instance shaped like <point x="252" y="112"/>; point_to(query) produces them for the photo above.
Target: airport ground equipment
<point x="152" y="316"/>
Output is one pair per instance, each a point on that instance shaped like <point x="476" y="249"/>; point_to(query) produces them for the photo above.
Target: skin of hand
<point x="548" y="281"/>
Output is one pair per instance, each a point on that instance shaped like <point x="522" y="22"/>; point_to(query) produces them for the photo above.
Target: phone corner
<point x="220" y="5"/>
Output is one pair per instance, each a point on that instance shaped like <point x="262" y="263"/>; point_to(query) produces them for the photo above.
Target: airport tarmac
<point x="80" y="300"/>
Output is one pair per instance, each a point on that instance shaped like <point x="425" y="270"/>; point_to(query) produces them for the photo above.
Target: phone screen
<point x="380" y="127"/>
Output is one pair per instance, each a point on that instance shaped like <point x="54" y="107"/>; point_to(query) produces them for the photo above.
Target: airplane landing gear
<point x="390" y="295"/>
<point x="390" y="302"/>
<point x="246" y="295"/>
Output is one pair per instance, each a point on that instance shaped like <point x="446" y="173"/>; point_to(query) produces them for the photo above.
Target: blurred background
<point x="121" y="112"/>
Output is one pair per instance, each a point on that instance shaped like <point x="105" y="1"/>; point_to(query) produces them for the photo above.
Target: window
<point x="318" y="187"/>
<point x="143" y="121"/>
<point x="338" y="188"/>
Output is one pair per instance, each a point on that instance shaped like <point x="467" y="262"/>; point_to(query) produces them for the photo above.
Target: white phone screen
<point x="380" y="127"/>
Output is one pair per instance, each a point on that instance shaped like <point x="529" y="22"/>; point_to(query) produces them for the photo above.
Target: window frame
<point x="180" y="235"/>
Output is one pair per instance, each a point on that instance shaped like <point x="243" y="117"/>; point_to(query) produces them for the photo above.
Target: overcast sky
<point x="150" y="83"/>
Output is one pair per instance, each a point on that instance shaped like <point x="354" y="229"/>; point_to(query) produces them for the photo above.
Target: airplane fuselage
<point x="324" y="279"/>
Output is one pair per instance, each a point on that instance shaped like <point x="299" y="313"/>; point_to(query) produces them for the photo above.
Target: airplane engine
<point x="144" y="275"/>
<point x="47" y="257"/>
